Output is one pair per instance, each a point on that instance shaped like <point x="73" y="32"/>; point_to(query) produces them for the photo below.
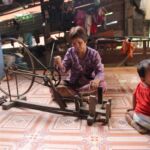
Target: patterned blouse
<point x="83" y="70"/>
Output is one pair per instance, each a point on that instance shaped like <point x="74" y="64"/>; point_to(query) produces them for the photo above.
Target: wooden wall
<point x="117" y="7"/>
<point x="8" y="28"/>
<point x="113" y="57"/>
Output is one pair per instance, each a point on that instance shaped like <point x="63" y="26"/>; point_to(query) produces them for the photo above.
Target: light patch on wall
<point x="110" y="23"/>
<point x="109" y="14"/>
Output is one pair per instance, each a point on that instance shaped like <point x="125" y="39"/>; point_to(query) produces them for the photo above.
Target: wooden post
<point x="144" y="48"/>
<point x="100" y="95"/>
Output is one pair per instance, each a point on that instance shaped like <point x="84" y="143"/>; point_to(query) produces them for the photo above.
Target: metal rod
<point x="24" y="71"/>
<point x="34" y="80"/>
<point x="50" y="61"/>
<point x="27" y="73"/>
<point x="8" y="85"/>
<point x="36" y="59"/>
<point x="16" y="79"/>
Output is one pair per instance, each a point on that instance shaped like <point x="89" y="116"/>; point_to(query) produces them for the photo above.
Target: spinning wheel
<point x="15" y="68"/>
<point x="19" y="72"/>
<point x="23" y="75"/>
<point x="54" y="76"/>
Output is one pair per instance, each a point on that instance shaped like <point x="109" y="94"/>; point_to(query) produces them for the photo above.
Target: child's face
<point x="147" y="77"/>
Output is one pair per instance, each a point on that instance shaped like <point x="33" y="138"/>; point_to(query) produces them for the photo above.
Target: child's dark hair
<point x="78" y="32"/>
<point x="142" y="67"/>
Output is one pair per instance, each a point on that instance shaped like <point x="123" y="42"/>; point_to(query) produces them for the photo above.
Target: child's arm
<point x="133" y="103"/>
<point x="134" y="100"/>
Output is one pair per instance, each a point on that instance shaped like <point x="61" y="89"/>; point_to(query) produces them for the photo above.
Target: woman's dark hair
<point x="143" y="67"/>
<point x="78" y="32"/>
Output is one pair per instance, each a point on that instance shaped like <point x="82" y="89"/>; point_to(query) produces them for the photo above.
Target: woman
<point x="84" y="63"/>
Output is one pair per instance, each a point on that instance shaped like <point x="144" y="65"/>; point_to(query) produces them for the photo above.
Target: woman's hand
<point x="94" y="84"/>
<point x="57" y="61"/>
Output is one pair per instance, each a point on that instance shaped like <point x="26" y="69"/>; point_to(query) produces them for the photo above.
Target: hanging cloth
<point x="94" y="24"/>
<point x="80" y="18"/>
<point x="101" y="15"/>
<point x="128" y="48"/>
<point x="88" y="23"/>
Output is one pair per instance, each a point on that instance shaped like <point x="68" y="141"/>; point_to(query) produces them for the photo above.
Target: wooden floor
<point x="25" y="129"/>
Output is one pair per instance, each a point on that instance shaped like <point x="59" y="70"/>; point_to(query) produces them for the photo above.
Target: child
<point x="139" y="116"/>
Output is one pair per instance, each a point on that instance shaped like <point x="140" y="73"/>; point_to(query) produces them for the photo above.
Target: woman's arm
<point x="99" y="72"/>
<point x="67" y="63"/>
<point x="64" y="65"/>
<point x="99" y="67"/>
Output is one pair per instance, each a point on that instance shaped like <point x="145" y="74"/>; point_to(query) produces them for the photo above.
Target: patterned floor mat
<point x="26" y="129"/>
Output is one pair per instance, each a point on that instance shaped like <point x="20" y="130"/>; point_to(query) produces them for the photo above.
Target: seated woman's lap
<point x="67" y="90"/>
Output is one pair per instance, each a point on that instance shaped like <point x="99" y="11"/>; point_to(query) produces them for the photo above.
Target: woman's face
<point x="79" y="44"/>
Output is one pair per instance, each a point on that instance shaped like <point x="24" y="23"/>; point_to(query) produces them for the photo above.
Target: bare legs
<point x="129" y="119"/>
